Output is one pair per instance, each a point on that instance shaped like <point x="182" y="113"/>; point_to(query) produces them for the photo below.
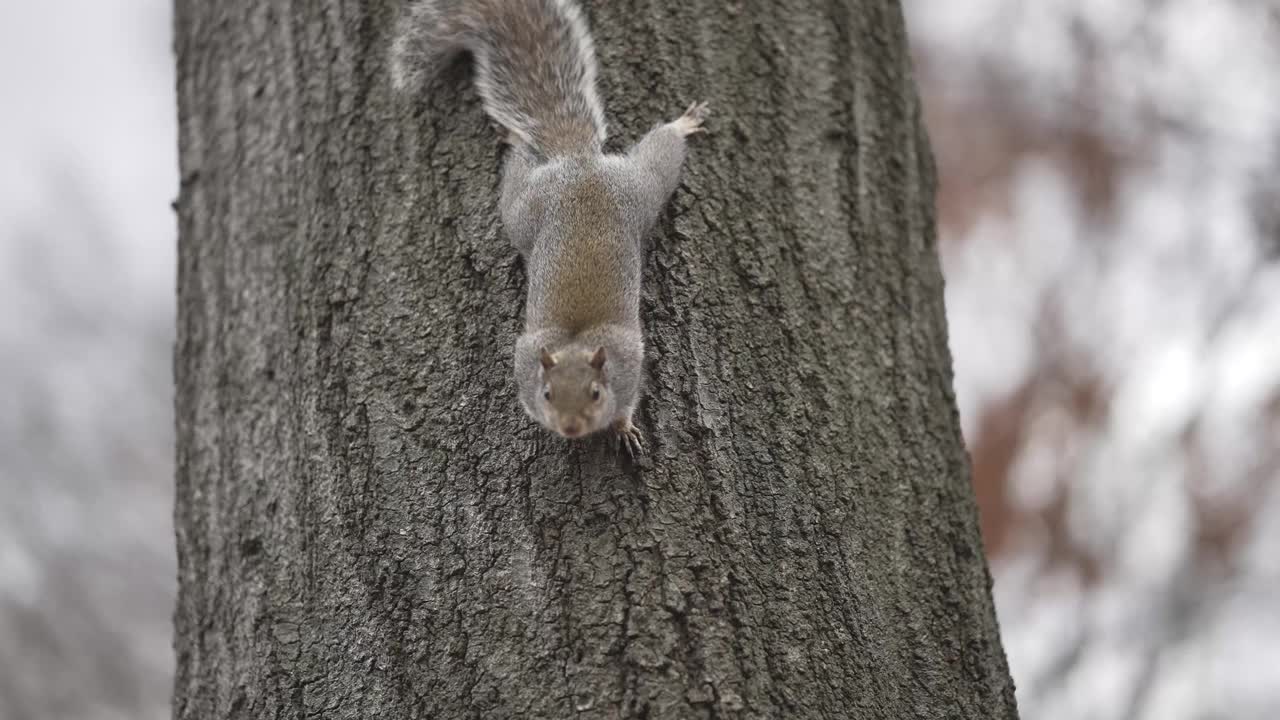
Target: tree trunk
<point x="367" y="524"/>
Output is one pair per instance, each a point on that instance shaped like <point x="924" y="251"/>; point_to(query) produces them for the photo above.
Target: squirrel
<point x="574" y="213"/>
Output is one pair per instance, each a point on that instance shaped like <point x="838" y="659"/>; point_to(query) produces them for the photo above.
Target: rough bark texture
<point x="368" y="527"/>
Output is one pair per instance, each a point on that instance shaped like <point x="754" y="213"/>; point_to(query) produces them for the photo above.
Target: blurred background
<point x="1110" y="212"/>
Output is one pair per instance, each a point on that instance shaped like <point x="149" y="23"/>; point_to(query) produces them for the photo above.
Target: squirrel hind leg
<point x="518" y="200"/>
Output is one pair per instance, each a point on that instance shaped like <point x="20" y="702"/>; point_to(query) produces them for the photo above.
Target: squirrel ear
<point x="597" y="360"/>
<point x="547" y="361"/>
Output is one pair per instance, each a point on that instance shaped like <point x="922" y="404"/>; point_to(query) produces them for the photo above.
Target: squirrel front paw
<point x="628" y="437"/>
<point x="691" y="121"/>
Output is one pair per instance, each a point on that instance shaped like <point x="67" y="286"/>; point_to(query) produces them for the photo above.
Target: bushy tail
<point x="535" y="65"/>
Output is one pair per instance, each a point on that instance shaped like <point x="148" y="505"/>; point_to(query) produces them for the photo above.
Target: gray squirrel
<point x="575" y="214"/>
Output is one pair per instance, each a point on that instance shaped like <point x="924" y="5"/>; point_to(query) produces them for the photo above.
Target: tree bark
<point x="367" y="524"/>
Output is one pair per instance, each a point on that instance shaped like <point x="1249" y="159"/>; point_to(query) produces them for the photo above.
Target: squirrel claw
<point x="691" y="121"/>
<point x="628" y="438"/>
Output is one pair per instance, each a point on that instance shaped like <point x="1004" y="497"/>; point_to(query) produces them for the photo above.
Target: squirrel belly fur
<point x="575" y="214"/>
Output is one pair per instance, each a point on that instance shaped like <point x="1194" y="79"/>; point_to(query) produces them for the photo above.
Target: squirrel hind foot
<point x="691" y="121"/>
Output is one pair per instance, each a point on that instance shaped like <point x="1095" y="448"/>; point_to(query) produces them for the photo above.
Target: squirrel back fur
<point x="535" y="66"/>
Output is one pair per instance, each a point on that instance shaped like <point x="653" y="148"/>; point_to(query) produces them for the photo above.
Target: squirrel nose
<point x="571" y="430"/>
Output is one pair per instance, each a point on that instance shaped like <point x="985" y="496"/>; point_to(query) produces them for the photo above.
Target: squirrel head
<point x="575" y="399"/>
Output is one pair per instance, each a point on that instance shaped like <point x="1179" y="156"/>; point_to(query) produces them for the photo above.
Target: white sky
<point x="88" y="89"/>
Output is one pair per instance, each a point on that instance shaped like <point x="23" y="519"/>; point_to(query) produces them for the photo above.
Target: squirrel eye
<point x="547" y="395"/>
<point x="595" y="394"/>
